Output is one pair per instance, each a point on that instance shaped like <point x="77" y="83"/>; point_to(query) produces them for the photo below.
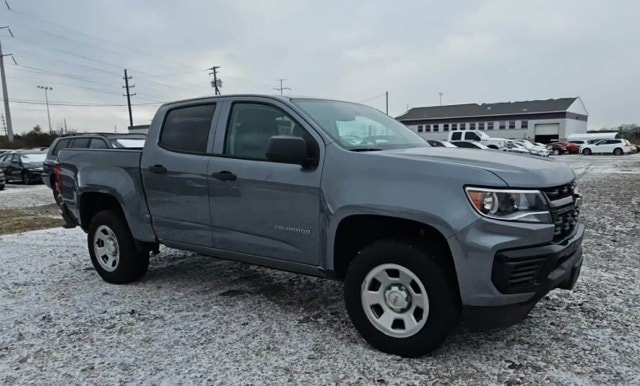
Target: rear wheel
<point x="26" y="179"/>
<point x="586" y="152"/>
<point x="399" y="299"/>
<point x="113" y="250"/>
<point x="617" y="151"/>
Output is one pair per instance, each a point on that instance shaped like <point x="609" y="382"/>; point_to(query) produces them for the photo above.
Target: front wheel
<point x="586" y="152"/>
<point x="113" y="250"/>
<point x="399" y="298"/>
<point x="25" y="178"/>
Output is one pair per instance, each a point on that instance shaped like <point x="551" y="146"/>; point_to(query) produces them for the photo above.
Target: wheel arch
<point x="355" y="231"/>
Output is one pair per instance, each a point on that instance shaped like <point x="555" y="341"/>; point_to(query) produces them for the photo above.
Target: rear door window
<point x="80" y="143"/>
<point x="456" y="136"/>
<point x="470" y="135"/>
<point x="97" y="143"/>
<point x="186" y="129"/>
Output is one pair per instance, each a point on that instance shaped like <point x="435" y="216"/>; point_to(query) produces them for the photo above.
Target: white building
<point x="538" y="121"/>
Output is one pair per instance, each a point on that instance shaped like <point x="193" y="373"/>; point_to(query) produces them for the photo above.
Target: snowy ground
<point x="18" y="196"/>
<point x="199" y="320"/>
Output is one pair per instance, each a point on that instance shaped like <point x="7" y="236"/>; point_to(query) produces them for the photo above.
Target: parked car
<point x="607" y="146"/>
<point x="88" y="141"/>
<point x="419" y="234"/>
<point x="557" y="148"/>
<point x="477" y="136"/>
<point x="470" y="145"/>
<point x="23" y="165"/>
<point x="2" y="180"/>
<point x="572" y="148"/>
<point x="514" y="147"/>
<point x="533" y="149"/>
<point x="439" y="143"/>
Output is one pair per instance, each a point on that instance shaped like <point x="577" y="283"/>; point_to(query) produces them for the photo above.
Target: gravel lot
<point x="200" y="320"/>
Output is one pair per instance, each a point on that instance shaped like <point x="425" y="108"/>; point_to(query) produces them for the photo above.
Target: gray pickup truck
<point x="421" y="236"/>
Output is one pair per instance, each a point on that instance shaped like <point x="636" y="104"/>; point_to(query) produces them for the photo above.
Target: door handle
<point x="157" y="169"/>
<point x="224" y="176"/>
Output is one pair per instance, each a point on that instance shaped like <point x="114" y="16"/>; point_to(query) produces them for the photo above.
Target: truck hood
<point x="517" y="171"/>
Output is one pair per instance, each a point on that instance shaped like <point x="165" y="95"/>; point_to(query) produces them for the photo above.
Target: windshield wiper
<point x="366" y="149"/>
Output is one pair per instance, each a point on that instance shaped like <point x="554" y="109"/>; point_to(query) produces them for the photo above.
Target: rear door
<point x="175" y="175"/>
<point x="258" y="207"/>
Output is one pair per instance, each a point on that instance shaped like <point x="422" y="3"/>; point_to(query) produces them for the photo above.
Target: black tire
<point x="617" y="151"/>
<point x="2" y="187"/>
<point x="586" y="152"/>
<point x="444" y="307"/>
<point x="132" y="262"/>
<point x="25" y="178"/>
<point x="494" y="147"/>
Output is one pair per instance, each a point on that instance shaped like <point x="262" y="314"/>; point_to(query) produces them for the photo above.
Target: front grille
<point x="560" y="192"/>
<point x="563" y="210"/>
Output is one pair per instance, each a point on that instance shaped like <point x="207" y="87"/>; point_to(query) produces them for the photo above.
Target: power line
<point x="281" y="88"/>
<point x="137" y="51"/>
<point x="73" y="104"/>
<point x="372" y="98"/>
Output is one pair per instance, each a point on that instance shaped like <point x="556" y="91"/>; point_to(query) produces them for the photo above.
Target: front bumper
<point x="533" y="271"/>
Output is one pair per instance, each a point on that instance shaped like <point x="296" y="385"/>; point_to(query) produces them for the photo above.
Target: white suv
<point x="607" y="146"/>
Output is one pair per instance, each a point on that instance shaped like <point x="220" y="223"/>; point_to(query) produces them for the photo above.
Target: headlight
<point x="510" y="205"/>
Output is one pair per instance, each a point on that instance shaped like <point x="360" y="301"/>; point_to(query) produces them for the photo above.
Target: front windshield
<point x="359" y="127"/>
<point x="33" y="158"/>
<point x="482" y="135"/>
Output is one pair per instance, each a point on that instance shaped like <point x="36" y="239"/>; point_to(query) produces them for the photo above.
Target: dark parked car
<point x="24" y="165"/>
<point x="89" y="141"/>
<point x="2" y="180"/>
<point x="557" y="148"/>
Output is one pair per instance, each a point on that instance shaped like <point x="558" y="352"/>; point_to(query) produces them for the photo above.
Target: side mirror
<point x="287" y="149"/>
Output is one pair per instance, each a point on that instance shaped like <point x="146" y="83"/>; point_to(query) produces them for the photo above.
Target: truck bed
<point x="88" y="170"/>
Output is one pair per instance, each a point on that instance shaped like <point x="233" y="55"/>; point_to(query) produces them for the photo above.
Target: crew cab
<point x="477" y="136"/>
<point x="421" y="236"/>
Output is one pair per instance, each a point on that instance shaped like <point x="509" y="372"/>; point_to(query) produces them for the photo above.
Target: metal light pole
<point x="441" y="94"/>
<point x="46" y="98"/>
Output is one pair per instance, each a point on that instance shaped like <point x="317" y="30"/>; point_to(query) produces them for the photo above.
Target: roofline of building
<point x="485" y="116"/>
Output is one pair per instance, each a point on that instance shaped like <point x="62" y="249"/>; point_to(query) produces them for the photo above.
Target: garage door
<point x="547" y="129"/>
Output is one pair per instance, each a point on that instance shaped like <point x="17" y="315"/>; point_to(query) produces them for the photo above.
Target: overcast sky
<point x="472" y="51"/>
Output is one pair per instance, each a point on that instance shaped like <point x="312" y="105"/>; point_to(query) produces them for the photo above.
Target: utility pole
<point x="215" y="83"/>
<point x="5" y="93"/>
<point x="441" y="94"/>
<point x="4" y="125"/>
<point x="281" y="88"/>
<point x="65" y="131"/>
<point x="128" y="94"/>
<point x="386" y="102"/>
<point x="46" y="98"/>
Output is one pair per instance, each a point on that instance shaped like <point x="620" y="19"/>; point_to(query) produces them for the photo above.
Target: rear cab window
<point x="186" y="129"/>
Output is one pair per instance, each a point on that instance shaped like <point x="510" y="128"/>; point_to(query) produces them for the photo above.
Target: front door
<point x="258" y="207"/>
<point x="175" y="176"/>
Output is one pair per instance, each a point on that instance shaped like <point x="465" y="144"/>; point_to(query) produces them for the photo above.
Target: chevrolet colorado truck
<point x="422" y="237"/>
